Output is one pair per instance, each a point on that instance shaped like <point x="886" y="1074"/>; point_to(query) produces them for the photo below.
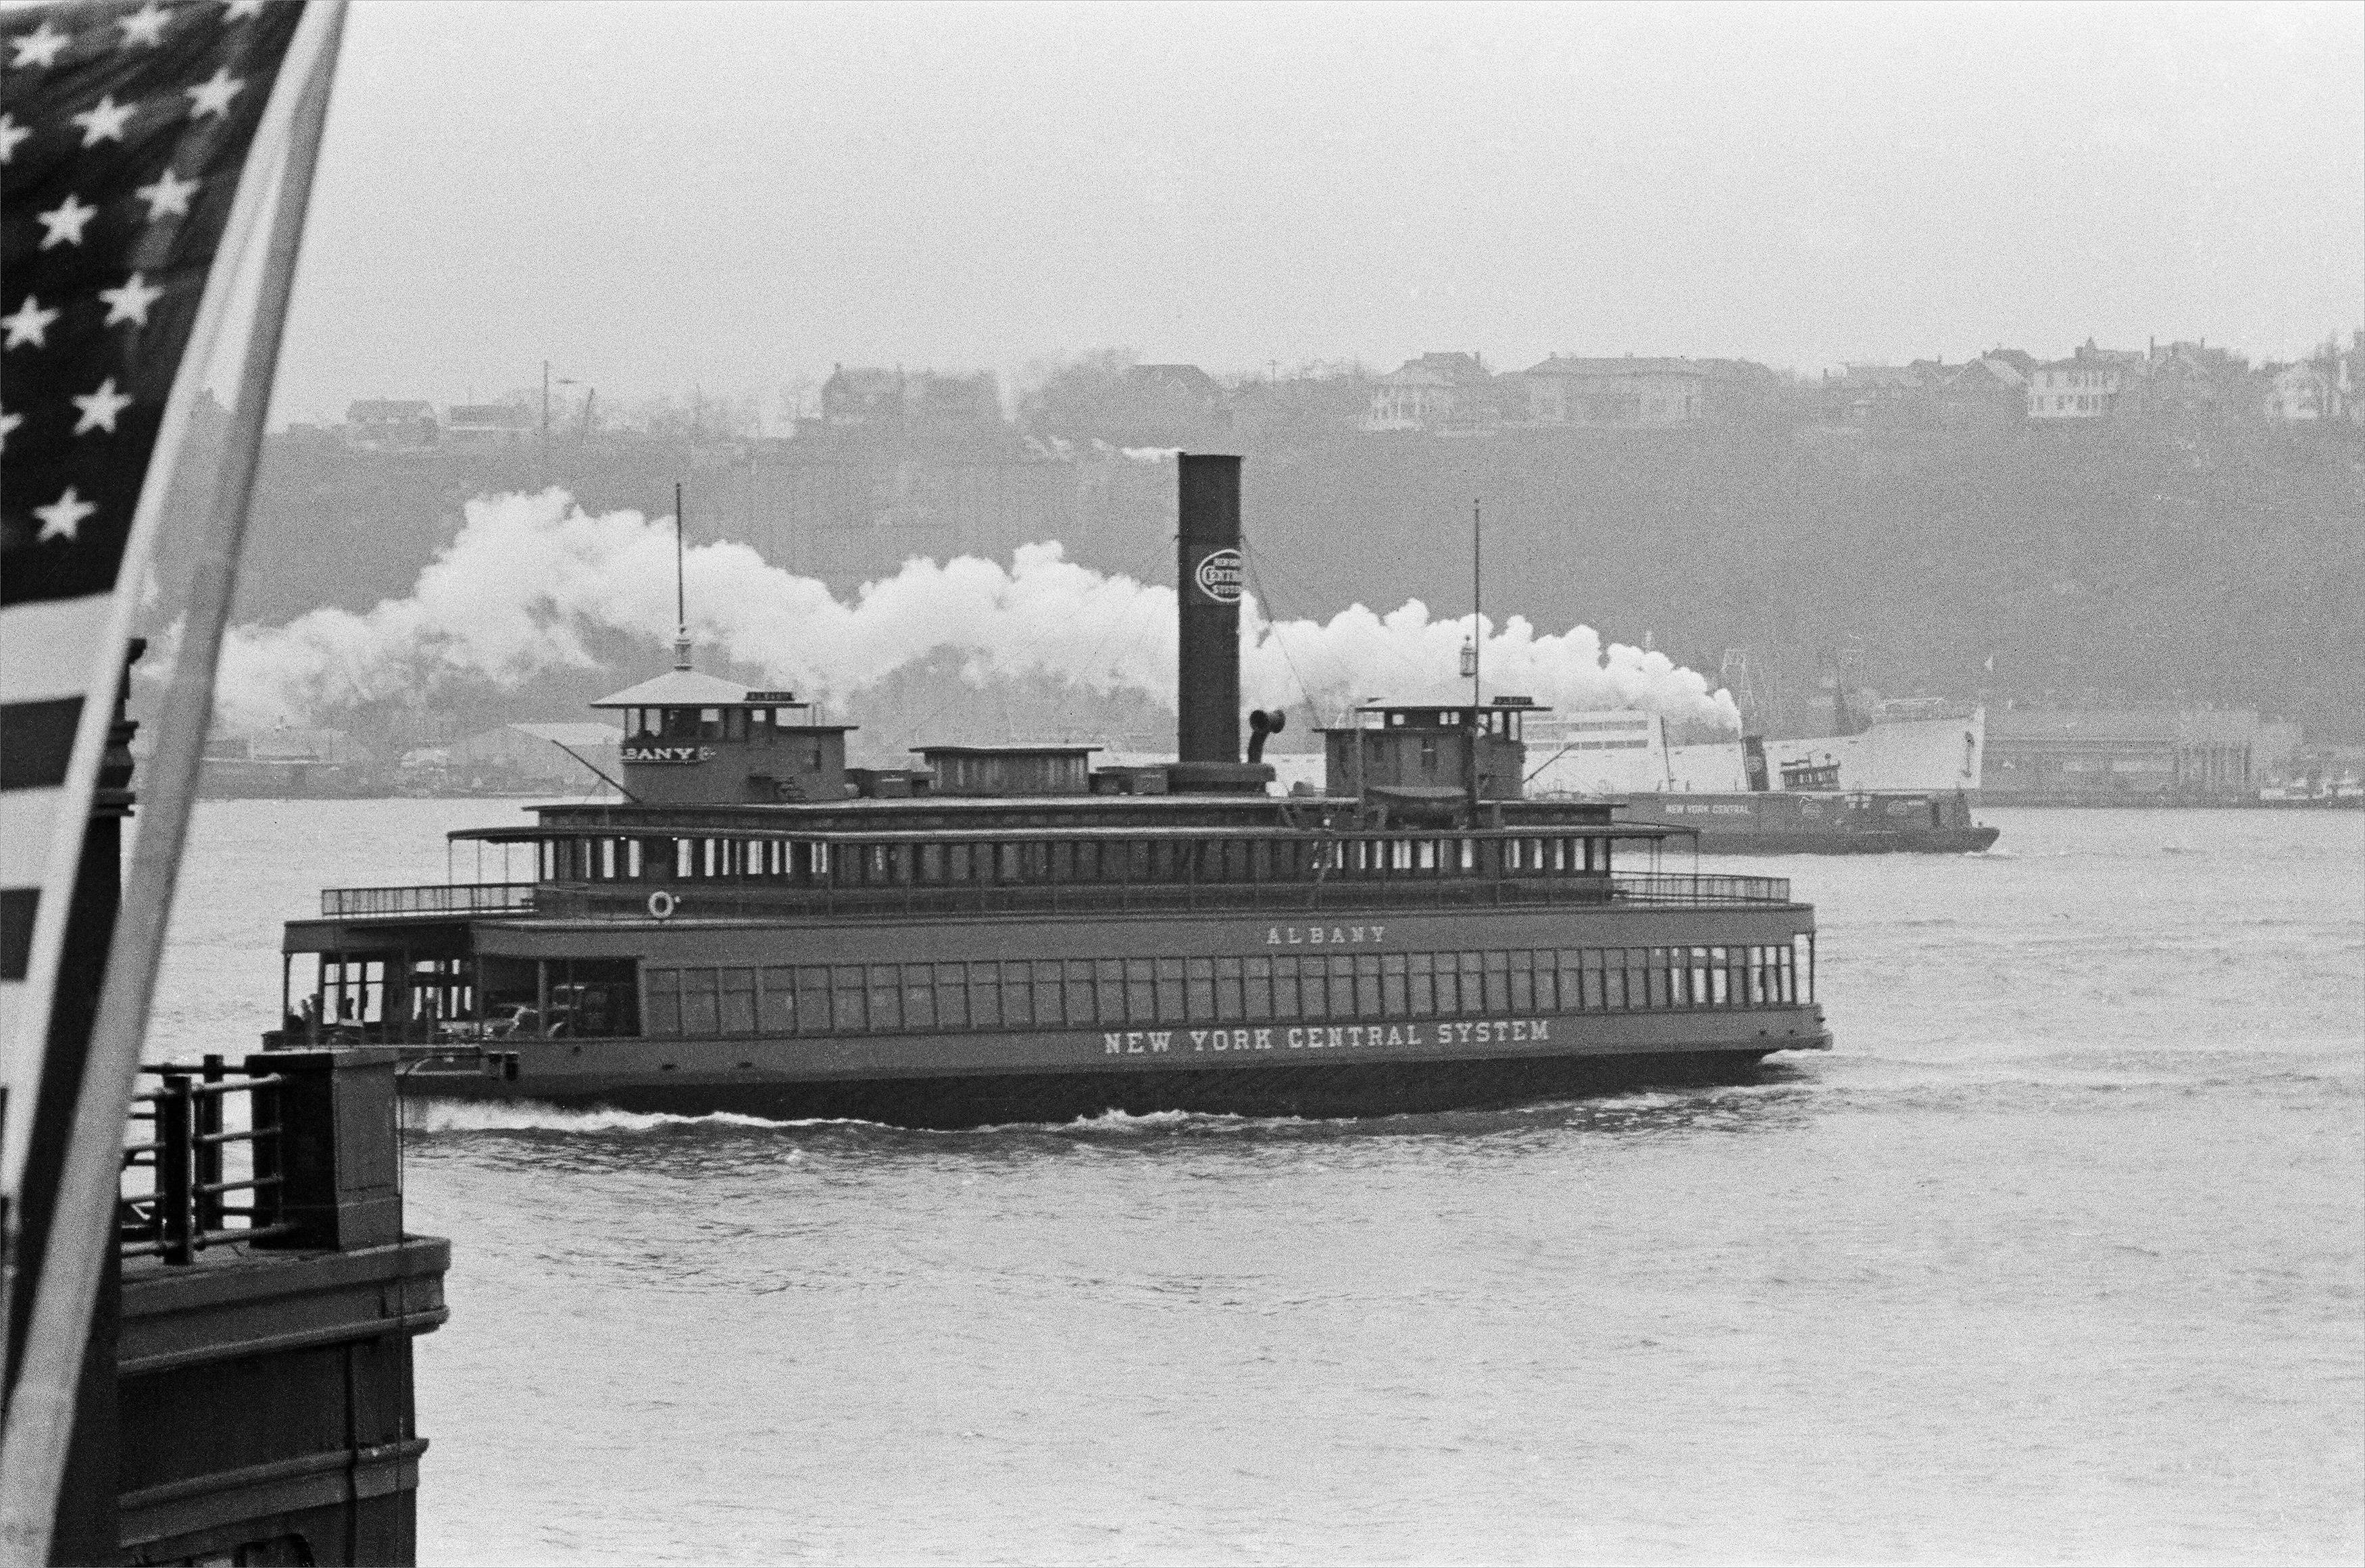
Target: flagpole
<point x="40" y="1415"/>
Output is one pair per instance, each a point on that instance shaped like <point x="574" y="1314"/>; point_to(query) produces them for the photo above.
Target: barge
<point x="1007" y="935"/>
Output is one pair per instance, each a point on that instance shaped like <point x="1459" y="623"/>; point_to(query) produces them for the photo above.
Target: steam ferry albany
<point x="1009" y="934"/>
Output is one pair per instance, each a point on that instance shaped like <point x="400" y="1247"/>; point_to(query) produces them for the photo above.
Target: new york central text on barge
<point x="1008" y="935"/>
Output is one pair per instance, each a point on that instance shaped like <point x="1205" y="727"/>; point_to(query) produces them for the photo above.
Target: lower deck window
<point x="853" y="999"/>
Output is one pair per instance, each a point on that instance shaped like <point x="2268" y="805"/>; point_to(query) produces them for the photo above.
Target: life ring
<point x="661" y="905"/>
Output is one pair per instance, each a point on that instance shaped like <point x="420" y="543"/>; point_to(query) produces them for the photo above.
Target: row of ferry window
<point x="841" y="999"/>
<point x="1103" y="860"/>
<point x="710" y="724"/>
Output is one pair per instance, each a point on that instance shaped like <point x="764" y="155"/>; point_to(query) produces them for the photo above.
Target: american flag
<point x="141" y="144"/>
<point x="125" y="131"/>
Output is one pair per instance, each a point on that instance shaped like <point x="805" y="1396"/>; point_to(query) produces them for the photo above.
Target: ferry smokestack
<point x="1208" y="578"/>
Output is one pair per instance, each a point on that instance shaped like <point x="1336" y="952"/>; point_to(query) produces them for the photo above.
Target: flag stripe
<point x="46" y="646"/>
<point x="17" y="907"/>
<point x="37" y="742"/>
<point x="27" y="819"/>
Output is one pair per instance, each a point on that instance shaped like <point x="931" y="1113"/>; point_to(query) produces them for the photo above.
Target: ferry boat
<point x="1007" y="933"/>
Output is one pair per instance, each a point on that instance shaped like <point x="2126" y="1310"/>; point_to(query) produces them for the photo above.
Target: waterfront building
<point x="2128" y="755"/>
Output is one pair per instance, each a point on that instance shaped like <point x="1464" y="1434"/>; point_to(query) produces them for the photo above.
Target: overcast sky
<point x="658" y="196"/>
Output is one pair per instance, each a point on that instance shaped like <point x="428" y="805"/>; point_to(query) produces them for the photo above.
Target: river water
<point x="2057" y="1257"/>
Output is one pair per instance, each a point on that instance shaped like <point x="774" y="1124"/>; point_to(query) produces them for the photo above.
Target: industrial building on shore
<point x="2131" y="756"/>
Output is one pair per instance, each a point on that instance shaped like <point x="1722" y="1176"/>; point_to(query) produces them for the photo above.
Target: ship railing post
<point x="175" y="1170"/>
<point x="336" y="1154"/>
<point x="206" y="1151"/>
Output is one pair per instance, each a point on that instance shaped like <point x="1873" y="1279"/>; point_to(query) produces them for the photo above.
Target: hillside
<point x="2214" y="563"/>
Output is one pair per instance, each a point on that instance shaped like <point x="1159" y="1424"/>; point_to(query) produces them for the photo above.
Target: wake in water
<point x="432" y="1116"/>
<point x="1630" y="1110"/>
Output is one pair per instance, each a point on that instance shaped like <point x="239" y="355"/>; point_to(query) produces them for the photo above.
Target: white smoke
<point x="1405" y="657"/>
<point x="532" y="583"/>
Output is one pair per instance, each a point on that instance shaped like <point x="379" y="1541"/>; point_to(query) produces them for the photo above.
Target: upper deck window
<point x="1111" y="862"/>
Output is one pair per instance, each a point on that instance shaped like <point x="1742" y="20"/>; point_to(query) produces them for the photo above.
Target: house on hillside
<point x="1175" y="403"/>
<point x="382" y="424"/>
<point x="1862" y="393"/>
<point x="897" y="463"/>
<point x="1632" y="392"/>
<point x="1990" y="390"/>
<point x="864" y="396"/>
<point x="2303" y="393"/>
<point x="490" y="424"/>
<point x="1438" y="393"/>
<point x="1625" y="393"/>
<point x="1185" y="381"/>
<point x="933" y="399"/>
<point x="2085" y="386"/>
<point x="2191" y="378"/>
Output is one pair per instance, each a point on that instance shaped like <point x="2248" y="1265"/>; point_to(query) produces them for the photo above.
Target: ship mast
<point x="680" y="594"/>
<point x="1471" y="657"/>
<point x="1476" y="606"/>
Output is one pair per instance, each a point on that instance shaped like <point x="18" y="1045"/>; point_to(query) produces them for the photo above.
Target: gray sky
<point x="654" y="196"/>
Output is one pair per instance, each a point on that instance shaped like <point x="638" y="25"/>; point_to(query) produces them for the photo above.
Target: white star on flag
<point x="212" y="96"/>
<point x="30" y="324"/>
<point x="99" y="408"/>
<point x="11" y="133"/>
<point x="64" y="221"/>
<point x="63" y="516"/>
<point x="169" y="194"/>
<point x="131" y="302"/>
<point x="8" y="421"/>
<point x="144" y="26"/>
<point x="40" y="47"/>
<point x="104" y="120"/>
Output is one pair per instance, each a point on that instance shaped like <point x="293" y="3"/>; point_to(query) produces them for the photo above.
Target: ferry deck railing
<point x="448" y="898"/>
<point x="184" y="1202"/>
<point x="755" y="899"/>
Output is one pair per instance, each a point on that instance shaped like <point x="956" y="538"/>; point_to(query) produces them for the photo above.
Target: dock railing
<point x="293" y="1149"/>
<point x="185" y="1204"/>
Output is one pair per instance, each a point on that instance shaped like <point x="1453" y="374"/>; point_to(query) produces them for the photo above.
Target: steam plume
<point x="533" y="584"/>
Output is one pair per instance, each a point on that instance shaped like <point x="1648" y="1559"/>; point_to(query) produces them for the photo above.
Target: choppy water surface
<point x="2057" y="1257"/>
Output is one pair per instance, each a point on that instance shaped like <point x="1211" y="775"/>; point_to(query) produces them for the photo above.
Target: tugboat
<point x="1007" y="933"/>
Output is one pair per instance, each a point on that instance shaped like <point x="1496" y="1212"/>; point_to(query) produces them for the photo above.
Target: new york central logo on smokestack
<point x="1219" y="575"/>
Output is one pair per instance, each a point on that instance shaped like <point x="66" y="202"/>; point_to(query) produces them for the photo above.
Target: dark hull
<point x="1358" y="1088"/>
<point x="1917" y="841"/>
